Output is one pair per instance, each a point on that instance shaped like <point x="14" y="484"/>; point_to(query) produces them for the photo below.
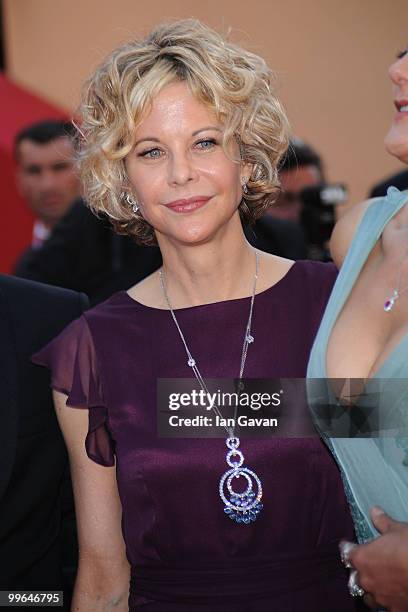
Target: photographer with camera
<point x="307" y="199"/>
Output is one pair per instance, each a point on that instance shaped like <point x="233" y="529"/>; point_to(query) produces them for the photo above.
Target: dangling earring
<point x="244" y="185"/>
<point x="131" y="201"/>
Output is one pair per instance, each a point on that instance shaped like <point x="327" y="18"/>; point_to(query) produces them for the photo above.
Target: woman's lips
<point x="402" y="109"/>
<point x="400" y="115"/>
<point x="185" y="206"/>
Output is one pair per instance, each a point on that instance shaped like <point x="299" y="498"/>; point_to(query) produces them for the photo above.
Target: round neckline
<point x="209" y="304"/>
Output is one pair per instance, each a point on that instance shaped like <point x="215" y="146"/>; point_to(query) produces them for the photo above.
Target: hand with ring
<point x="379" y="569"/>
<point x="354" y="588"/>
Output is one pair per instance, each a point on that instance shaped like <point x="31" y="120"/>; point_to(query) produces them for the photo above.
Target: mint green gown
<point x="374" y="469"/>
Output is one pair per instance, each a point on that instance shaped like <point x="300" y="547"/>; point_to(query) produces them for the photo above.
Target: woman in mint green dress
<point x="364" y="336"/>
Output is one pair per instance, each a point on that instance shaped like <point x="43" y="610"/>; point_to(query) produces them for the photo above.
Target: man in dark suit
<point x="83" y="253"/>
<point x="36" y="508"/>
<point x="399" y="180"/>
<point x="277" y="236"/>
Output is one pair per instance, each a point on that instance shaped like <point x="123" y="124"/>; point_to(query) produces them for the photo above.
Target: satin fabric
<point x="375" y="470"/>
<point x="180" y="544"/>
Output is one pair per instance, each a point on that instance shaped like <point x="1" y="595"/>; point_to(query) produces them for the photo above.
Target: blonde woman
<point x="182" y="135"/>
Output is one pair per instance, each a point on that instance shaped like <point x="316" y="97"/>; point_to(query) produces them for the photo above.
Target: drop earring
<point x="132" y="202"/>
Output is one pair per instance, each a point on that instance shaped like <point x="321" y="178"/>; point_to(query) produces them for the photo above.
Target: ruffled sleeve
<point x="72" y="360"/>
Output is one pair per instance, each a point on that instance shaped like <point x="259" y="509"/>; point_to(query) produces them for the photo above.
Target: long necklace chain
<point x="245" y="506"/>
<point x="248" y="338"/>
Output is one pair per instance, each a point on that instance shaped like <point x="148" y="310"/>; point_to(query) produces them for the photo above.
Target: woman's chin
<point x="396" y="144"/>
<point x="189" y="236"/>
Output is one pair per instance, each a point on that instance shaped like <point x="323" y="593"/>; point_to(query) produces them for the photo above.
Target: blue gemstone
<point x="246" y="520"/>
<point x="227" y="510"/>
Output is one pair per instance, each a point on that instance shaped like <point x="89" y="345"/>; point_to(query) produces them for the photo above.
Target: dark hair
<point x="301" y="154"/>
<point x="43" y="132"/>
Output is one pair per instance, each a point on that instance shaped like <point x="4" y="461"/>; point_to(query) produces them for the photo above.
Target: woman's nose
<point x="398" y="71"/>
<point x="182" y="169"/>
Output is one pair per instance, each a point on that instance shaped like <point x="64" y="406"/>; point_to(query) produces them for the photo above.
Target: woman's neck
<point x="212" y="272"/>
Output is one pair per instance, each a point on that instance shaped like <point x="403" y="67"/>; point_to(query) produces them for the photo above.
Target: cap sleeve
<point x="72" y="361"/>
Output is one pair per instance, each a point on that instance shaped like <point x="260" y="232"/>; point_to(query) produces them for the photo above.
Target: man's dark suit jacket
<point x="84" y="254"/>
<point x="399" y="180"/>
<point x="34" y="474"/>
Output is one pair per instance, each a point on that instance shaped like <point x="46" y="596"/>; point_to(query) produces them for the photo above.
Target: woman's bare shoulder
<point x="345" y="229"/>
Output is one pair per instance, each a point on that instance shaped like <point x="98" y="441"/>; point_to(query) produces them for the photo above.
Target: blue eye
<point x="207" y="143"/>
<point x="151" y="153"/>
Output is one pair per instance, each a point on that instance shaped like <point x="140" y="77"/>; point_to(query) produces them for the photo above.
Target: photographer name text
<point x="207" y="421"/>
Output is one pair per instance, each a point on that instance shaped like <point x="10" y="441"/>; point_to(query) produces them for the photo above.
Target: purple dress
<point x="184" y="552"/>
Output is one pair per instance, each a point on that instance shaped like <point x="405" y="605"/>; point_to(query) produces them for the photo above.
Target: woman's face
<point x="185" y="184"/>
<point x="396" y="141"/>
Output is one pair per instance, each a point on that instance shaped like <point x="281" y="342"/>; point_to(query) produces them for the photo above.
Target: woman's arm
<point x="102" y="582"/>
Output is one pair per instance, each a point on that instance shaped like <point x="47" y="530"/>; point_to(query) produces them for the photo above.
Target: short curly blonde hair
<point x="236" y="84"/>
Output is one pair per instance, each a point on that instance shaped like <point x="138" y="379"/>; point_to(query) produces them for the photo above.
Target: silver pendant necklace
<point x="389" y="303"/>
<point x="244" y="506"/>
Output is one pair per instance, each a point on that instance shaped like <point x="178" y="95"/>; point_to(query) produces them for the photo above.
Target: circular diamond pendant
<point x="243" y="507"/>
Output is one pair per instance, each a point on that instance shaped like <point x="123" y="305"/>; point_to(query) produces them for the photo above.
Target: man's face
<point x="289" y="204"/>
<point x="47" y="178"/>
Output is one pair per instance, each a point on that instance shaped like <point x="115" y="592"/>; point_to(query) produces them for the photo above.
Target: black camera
<point x="318" y="216"/>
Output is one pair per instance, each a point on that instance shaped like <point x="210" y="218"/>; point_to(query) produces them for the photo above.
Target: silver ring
<point x="345" y="550"/>
<point x="354" y="588"/>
